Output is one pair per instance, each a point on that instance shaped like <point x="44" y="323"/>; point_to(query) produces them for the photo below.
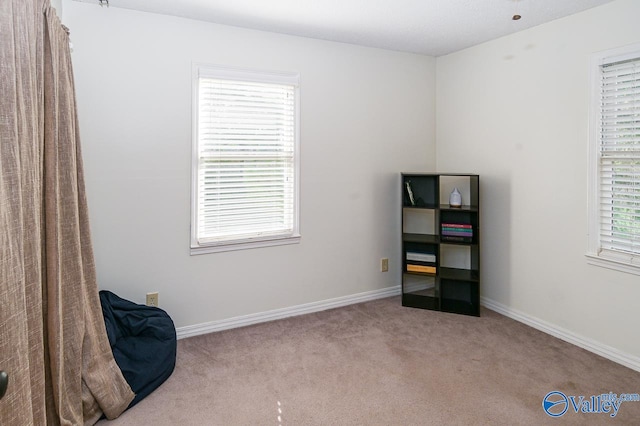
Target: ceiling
<point x="430" y="27"/>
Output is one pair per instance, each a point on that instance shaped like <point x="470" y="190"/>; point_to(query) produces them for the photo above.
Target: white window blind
<point x="246" y="149"/>
<point x="619" y="161"/>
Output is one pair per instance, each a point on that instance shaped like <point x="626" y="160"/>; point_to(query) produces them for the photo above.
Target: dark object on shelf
<point x="456" y="239"/>
<point x="4" y="383"/>
<point x="412" y="200"/>
<point x="143" y="341"/>
<point x="426" y="283"/>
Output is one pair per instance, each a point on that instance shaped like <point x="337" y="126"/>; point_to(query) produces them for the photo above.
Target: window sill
<point x="244" y="245"/>
<point x="615" y="264"/>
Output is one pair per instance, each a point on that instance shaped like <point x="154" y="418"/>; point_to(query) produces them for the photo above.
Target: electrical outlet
<point x="152" y="299"/>
<point x="384" y="265"/>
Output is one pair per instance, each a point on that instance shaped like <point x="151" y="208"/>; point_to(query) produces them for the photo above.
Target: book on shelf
<point x="410" y="193"/>
<point x="457" y="230"/>
<point x="456" y="239"/>
<point x="421" y="268"/>
<point x="457" y="225"/>
<point x="420" y="257"/>
<point x="457" y="233"/>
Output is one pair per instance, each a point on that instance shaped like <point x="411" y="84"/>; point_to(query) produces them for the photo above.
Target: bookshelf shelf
<point x="459" y="274"/>
<point x="440" y="243"/>
<point x="421" y="238"/>
<point x="446" y="207"/>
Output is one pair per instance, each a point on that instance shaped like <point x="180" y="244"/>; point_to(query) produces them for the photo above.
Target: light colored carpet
<point x="378" y="363"/>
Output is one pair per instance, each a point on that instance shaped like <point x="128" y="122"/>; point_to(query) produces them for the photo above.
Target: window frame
<point x="245" y="75"/>
<point x="607" y="258"/>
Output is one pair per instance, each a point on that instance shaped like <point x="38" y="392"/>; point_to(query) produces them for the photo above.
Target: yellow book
<point x="421" y="268"/>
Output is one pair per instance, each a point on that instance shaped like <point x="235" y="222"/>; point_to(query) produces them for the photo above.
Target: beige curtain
<point x="53" y="342"/>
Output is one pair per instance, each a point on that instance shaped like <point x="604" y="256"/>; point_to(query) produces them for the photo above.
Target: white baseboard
<point x="307" y="308"/>
<point x="598" y="348"/>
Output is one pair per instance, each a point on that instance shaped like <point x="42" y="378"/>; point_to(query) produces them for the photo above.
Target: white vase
<point x="455" y="199"/>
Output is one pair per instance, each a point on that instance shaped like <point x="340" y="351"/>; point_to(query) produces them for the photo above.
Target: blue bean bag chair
<point x="143" y="341"/>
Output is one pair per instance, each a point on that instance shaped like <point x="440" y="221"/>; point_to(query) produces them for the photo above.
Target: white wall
<point x="515" y="110"/>
<point x="57" y="4"/>
<point x="367" y="115"/>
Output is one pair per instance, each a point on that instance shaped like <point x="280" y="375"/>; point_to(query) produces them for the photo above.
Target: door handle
<point x="4" y="382"/>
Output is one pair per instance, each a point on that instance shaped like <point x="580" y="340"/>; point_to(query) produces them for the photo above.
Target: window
<point x="245" y="159"/>
<point x="614" y="195"/>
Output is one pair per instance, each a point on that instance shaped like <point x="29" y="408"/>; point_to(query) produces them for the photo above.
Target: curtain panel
<point x="53" y="342"/>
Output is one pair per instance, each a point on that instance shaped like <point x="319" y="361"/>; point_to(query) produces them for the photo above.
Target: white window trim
<point x="277" y="77"/>
<point x="603" y="258"/>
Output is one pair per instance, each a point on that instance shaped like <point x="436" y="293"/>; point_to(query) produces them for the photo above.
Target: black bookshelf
<point x="441" y="243"/>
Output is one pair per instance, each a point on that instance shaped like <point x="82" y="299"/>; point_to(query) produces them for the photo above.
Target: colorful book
<point x="457" y="231"/>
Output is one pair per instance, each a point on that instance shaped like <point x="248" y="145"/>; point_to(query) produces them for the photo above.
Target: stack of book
<point x="422" y="260"/>
<point x="457" y="232"/>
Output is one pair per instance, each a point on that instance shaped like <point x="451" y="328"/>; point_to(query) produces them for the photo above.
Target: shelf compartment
<point x="460" y="274"/>
<point x="468" y="186"/>
<point x="458" y="256"/>
<point x="460" y="297"/>
<point x="420" y="190"/>
<point x="419" y="221"/>
<point x="460" y="217"/>
<point x="420" y="291"/>
<point x="420" y="285"/>
<point x="456" y="232"/>
<point x="420" y="258"/>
